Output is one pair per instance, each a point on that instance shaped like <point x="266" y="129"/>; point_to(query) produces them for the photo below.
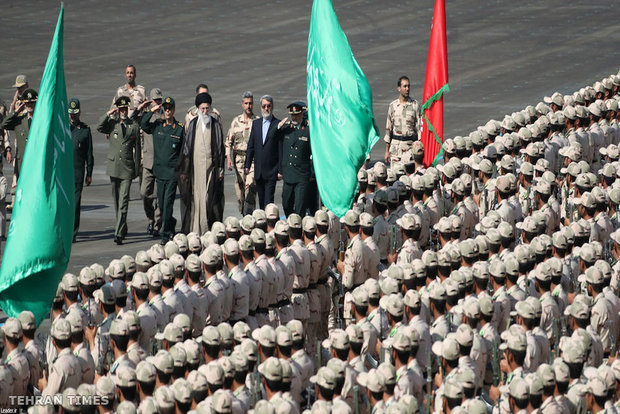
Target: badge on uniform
<point x="303" y="138"/>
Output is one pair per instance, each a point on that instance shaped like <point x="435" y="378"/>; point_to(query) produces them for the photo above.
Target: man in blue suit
<point x="265" y="150"/>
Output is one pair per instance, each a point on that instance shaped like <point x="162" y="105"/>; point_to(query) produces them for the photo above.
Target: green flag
<point x="41" y="231"/>
<point x="342" y="125"/>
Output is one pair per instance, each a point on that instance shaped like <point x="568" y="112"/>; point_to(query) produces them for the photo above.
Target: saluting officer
<point x="168" y="135"/>
<point x="296" y="168"/>
<point x="82" y="157"/>
<point x="123" y="159"/>
<point x="19" y="121"/>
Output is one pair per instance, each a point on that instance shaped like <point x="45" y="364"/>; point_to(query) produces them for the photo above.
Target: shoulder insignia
<point x="181" y="124"/>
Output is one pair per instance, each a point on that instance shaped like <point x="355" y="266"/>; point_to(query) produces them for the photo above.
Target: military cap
<point x="296" y="107"/>
<point x="192" y="262"/>
<point x="122" y="102"/>
<point x="437" y="291"/>
<point x="210" y="256"/>
<point x="388" y="372"/>
<point x="453" y="389"/>
<point x="355" y="333"/>
<point x="164" y="399"/>
<point x="155" y="277"/>
<point x="608" y="171"/>
<point x="380" y="170"/>
<point x="513" y="338"/>
<point x="412" y="298"/>
<point x="105" y="388"/>
<point x="226" y="333"/>
<point x="157" y="253"/>
<point x="444" y="225"/>
<point x="74" y="106"/>
<point x="75" y="320"/>
<point x="362" y="175"/>
<point x="126" y="407"/>
<point x="241" y="331"/>
<point x="26" y="320"/>
<point x="281" y="228"/>
<point x="179" y="357"/>
<point x="70" y="282"/>
<point x="232" y="224"/>
<point x="486" y="305"/>
<point x="283" y="336"/>
<point x="615" y="366"/>
<point x="451" y="285"/>
<point x="192" y="351"/>
<point x="265" y="335"/>
<point x="239" y="360"/>
<point x="417" y="148"/>
<point x="372" y="380"/>
<point x="171" y="333"/>
<point x="272" y="212"/>
<point x="595" y="109"/>
<point x="296" y="328"/>
<point x="389" y="286"/>
<point x="125" y="376"/>
<point x="29" y="96"/>
<point x="143" y="258"/>
<point x="593" y="275"/>
<point x="119" y="289"/>
<point x="61" y="329"/>
<point x="119" y="327"/>
<point x="525" y="310"/>
<point x="271" y="369"/>
<point x="250" y="349"/>
<point x="171" y="248"/>
<point x="140" y="281"/>
<point x="401" y="341"/>
<point x="163" y="361"/>
<point x="145" y="372"/>
<point x="116" y="269"/>
<point x="20" y="81"/>
<point x="270" y="241"/>
<point x="471" y="308"/>
<point x="360" y="296"/>
<point x="156" y="94"/>
<point x="338" y="339"/>
<point x="105" y="294"/>
<point x="168" y="101"/>
<point x="448" y="348"/>
<point x="597" y="387"/>
<point x="615" y="236"/>
<point x="518" y="389"/>
<point x="219" y="229"/>
<point x="12" y="328"/>
<point x="321" y="218"/>
<point x="197" y="380"/>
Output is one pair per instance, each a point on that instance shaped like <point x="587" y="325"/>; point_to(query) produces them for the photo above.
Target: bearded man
<point x="201" y="169"/>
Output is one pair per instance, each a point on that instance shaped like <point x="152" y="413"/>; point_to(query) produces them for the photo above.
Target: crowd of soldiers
<point x="488" y="283"/>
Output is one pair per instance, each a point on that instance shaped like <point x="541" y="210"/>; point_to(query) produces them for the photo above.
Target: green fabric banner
<point x="41" y="231"/>
<point x="342" y="125"/>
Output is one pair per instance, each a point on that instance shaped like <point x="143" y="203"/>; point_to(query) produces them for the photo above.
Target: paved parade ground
<point x="502" y="56"/>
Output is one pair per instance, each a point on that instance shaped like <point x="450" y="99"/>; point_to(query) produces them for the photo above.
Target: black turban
<point x="203" y="98"/>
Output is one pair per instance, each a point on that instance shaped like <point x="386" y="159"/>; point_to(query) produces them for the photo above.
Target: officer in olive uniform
<point x="19" y="121"/>
<point x="296" y="168"/>
<point x="168" y="135"/>
<point x="123" y="159"/>
<point x="82" y="157"/>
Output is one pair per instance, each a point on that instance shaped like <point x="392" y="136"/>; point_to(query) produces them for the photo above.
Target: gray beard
<point x="266" y="115"/>
<point x="205" y="119"/>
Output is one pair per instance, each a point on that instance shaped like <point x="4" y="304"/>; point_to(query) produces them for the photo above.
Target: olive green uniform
<point x="296" y="168"/>
<point x="167" y="142"/>
<point x="123" y="164"/>
<point x="82" y="157"/>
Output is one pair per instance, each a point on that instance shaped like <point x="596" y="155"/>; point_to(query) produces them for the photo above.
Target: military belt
<point x="252" y="312"/>
<point x="300" y="291"/>
<point x="262" y="310"/>
<point x="313" y="285"/>
<point x="404" y="138"/>
<point x="282" y="303"/>
<point x="322" y="281"/>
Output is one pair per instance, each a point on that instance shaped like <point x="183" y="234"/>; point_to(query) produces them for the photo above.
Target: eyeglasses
<point x="266" y="106"/>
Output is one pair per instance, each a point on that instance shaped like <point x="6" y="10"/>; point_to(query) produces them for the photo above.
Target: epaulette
<point x="181" y="124"/>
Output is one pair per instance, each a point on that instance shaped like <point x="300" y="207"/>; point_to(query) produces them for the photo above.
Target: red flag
<point x="435" y="84"/>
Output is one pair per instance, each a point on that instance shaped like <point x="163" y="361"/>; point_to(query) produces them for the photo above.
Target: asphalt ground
<point x="502" y="56"/>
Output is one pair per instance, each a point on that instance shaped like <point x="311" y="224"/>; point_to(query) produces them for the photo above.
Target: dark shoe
<point x="74" y="239"/>
<point x="118" y="240"/>
<point x="149" y="229"/>
<point x="163" y="242"/>
<point x="155" y="233"/>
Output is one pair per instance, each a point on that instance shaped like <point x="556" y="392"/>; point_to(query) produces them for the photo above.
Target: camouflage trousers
<point x="245" y="187"/>
<point x="398" y="149"/>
